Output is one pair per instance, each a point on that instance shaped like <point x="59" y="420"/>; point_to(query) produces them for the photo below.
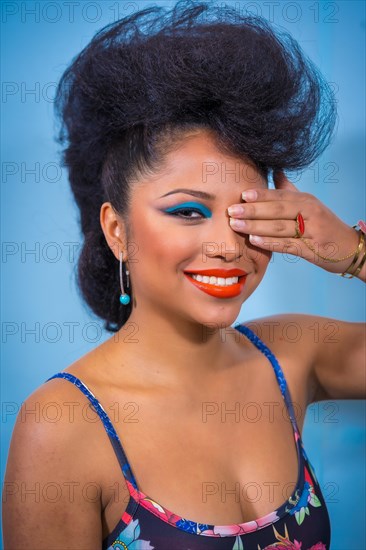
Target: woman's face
<point x="173" y="232"/>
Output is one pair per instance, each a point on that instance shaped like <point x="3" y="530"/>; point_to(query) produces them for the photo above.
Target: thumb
<point x="281" y="182"/>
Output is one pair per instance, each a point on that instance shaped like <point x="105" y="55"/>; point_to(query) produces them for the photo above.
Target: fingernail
<point x="255" y="239"/>
<point x="238" y="224"/>
<point x="249" y="195"/>
<point x="234" y="210"/>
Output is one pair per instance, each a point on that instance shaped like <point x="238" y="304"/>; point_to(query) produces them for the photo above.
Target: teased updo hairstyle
<point x="145" y="80"/>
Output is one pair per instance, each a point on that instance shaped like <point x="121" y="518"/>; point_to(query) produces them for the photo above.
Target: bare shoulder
<point x="296" y="339"/>
<point x="329" y="352"/>
<point x="296" y="331"/>
<point x="50" y="465"/>
<point x="49" y="417"/>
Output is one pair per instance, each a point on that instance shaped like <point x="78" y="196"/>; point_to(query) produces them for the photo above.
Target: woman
<point x="172" y="123"/>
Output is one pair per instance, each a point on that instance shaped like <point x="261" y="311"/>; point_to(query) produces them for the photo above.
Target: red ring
<point x="301" y="224"/>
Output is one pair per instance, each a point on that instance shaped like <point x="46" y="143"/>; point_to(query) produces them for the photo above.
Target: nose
<point x="222" y="241"/>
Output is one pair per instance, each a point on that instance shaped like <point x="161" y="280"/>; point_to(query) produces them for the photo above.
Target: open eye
<point x="185" y="213"/>
<point x="189" y="211"/>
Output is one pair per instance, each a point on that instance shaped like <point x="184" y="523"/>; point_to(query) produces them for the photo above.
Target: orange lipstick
<point x="229" y="291"/>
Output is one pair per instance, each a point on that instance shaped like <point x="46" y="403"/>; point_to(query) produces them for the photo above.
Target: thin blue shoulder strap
<point x="108" y="426"/>
<point x="276" y="367"/>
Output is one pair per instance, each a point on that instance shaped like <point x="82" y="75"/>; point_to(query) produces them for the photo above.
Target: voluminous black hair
<point x="146" y="80"/>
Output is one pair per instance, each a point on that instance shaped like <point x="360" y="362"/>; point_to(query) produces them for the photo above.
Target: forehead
<point x="196" y="159"/>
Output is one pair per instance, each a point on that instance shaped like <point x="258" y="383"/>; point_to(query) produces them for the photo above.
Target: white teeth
<point x="218" y="281"/>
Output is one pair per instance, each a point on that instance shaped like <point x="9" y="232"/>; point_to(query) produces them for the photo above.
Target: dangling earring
<point x="124" y="298"/>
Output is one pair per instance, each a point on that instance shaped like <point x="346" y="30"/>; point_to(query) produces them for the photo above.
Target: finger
<point x="275" y="210"/>
<point x="259" y="194"/>
<point x="281" y="181"/>
<point x="284" y="246"/>
<point x="265" y="228"/>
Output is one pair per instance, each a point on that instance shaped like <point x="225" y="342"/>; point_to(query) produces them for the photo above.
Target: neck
<point x="164" y="351"/>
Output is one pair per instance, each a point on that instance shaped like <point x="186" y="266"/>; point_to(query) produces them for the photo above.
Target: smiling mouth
<point x="218" y="287"/>
<point x="216" y="281"/>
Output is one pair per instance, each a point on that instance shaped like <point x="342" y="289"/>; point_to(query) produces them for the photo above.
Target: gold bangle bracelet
<point x="360" y="265"/>
<point x="348" y="273"/>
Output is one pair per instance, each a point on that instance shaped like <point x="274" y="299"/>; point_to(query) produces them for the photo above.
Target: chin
<point x="219" y="316"/>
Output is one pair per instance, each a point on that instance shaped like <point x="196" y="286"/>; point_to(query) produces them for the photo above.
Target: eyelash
<point x="189" y="207"/>
<point x="180" y="210"/>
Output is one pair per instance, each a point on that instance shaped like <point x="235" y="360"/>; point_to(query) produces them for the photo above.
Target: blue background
<point x="41" y="238"/>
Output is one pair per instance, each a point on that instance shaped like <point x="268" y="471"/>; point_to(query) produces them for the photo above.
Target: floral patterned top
<point x="300" y="523"/>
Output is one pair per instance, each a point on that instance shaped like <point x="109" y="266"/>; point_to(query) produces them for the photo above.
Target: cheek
<point x="258" y="256"/>
<point x="264" y="257"/>
<point x="161" y="243"/>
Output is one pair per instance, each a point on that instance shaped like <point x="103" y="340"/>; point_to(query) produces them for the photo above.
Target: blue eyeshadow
<point x="196" y="205"/>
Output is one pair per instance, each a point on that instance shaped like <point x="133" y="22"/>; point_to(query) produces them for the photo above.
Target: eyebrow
<point x="193" y="192"/>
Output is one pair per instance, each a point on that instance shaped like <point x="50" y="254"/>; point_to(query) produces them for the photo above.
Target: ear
<point x="114" y="229"/>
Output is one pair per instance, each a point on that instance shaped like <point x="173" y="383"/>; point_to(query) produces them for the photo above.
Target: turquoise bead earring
<point x="124" y="298"/>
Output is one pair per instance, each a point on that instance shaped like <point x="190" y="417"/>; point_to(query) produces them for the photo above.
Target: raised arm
<point x="335" y="350"/>
<point x="287" y="221"/>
